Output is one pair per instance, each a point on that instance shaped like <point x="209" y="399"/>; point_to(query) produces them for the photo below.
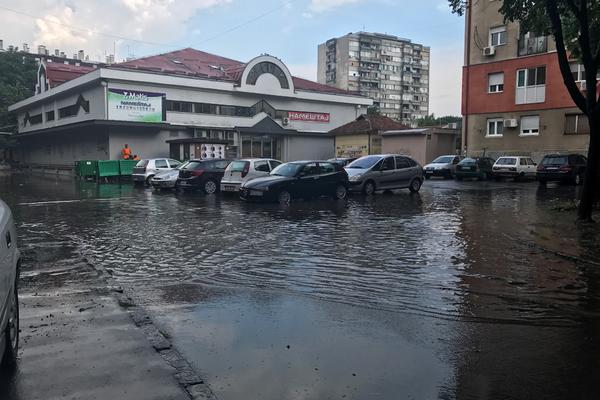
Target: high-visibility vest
<point x="126" y="152"/>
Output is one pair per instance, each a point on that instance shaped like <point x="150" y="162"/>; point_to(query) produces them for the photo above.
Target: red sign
<point x="308" y="116"/>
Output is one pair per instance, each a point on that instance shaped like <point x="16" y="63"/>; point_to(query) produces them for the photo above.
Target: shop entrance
<point x="264" y="146"/>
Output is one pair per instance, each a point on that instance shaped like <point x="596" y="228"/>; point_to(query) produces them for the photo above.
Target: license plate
<point x="256" y="193"/>
<point x="183" y="183"/>
<point x="229" y="188"/>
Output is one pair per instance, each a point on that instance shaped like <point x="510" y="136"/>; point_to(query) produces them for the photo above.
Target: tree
<point x="575" y="26"/>
<point x="373" y="110"/>
<point x="17" y="82"/>
<point x="432" y="120"/>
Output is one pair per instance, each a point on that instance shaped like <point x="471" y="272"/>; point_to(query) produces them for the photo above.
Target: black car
<point x="298" y="179"/>
<point x="202" y="174"/>
<point x="562" y="167"/>
<point x="474" y="167"/>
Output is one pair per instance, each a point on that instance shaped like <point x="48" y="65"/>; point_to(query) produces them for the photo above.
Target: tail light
<point x="566" y="168"/>
<point x="197" y="172"/>
<point x="246" y="169"/>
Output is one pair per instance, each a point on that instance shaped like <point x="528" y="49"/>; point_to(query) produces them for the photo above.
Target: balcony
<point x="532" y="45"/>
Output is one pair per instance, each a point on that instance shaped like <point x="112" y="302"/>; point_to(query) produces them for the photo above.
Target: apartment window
<point x="578" y="72"/>
<point x="35" y="119"/>
<point x="49" y="115"/>
<point x="530" y="125"/>
<point x="531" y="43"/>
<point x="576" y="124"/>
<point x="495" y="127"/>
<point x="531" y="85"/>
<point x="496" y="82"/>
<point x="498" y="36"/>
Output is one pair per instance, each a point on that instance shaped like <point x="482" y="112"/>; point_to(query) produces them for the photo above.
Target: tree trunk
<point x="588" y="195"/>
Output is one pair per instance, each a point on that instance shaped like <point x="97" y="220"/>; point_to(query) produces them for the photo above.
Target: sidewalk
<point x="78" y="343"/>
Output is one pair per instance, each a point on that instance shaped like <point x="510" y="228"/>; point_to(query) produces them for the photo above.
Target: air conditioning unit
<point x="489" y="51"/>
<point x="511" y="123"/>
<point x="285" y="121"/>
<point x="583" y="86"/>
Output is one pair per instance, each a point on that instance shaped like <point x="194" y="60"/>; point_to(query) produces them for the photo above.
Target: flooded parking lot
<point x="466" y="290"/>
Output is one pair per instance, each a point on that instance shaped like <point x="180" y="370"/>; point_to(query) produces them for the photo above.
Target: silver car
<point x="369" y="174"/>
<point x="9" y="299"/>
<point x="144" y="170"/>
<point x="244" y="170"/>
<point x="166" y="179"/>
<point x="444" y="166"/>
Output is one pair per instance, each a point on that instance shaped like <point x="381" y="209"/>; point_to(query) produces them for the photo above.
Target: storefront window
<point x="261" y="147"/>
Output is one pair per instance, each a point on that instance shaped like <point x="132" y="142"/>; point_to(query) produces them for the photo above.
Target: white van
<point x="9" y="301"/>
<point x="514" y="167"/>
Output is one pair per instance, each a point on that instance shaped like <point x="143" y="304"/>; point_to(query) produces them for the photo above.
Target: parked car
<point x="343" y="161"/>
<point x="562" y="167"/>
<point x="246" y="169"/>
<point x="514" y="167"/>
<point x="202" y="174"/>
<point x="442" y="166"/>
<point x="369" y="174"/>
<point x="144" y="170"/>
<point x="298" y="179"/>
<point x="166" y="179"/>
<point x="474" y="167"/>
<point x="9" y="296"/>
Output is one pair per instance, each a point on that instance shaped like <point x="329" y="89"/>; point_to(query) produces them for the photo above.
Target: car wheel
<point x="415" y="185"/>
<point x="369" y="188"/>
<point x="210" y="187"/>
<point x="340" y="192"/>
<point x="578" y="179"/>
<point x="520" y="177"/>
<point x="12" y="332"/>
<point x="284" y="197"/>
<point x="148" y="180"/>
<point x="484" y="177"/>
<point x="448" y="175"/>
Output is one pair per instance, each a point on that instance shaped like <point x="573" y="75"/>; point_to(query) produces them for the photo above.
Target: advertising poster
<point x="132" y="105"/>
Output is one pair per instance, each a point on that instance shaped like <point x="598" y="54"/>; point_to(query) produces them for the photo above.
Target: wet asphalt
<point x="482" y="290"/>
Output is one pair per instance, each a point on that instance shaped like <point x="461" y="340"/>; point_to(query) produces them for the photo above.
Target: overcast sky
<point x="240" y="29"/>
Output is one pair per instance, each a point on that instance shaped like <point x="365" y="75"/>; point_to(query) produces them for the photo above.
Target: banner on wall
<point x="308" y="116"/>
<point x="134" y="105"/>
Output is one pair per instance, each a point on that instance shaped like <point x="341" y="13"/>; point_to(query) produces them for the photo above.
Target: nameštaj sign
<point x="308" y="116"/>
<point x="133" y="105"/>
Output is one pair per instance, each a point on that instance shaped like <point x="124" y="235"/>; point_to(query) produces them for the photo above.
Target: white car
<point x="167" y="179"/>
<point x="444" y="166"/>
<point x="244" y="170"/>
<point x="514" y="167"/>
<point x="9" y="299"/>
<point x="144" y="170"/>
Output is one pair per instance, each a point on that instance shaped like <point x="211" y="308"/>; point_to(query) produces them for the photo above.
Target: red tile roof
<point x="369" y="123"/>
<point x="57" y="73"/>
<point x="198" y="63"/>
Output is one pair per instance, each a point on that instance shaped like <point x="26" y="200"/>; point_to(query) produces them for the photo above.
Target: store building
<point x="258" y="108"/>
<point x="514" y="101"/>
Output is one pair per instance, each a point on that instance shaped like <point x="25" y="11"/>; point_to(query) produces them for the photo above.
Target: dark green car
<point x="474" y="167"/>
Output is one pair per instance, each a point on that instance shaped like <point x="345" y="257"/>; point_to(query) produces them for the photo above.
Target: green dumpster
<point x="108" y="168"/>
<point x="126" y="167"/>
<point x="86" y="168"/>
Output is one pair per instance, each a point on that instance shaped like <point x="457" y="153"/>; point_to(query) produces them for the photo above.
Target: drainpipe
<point x="467" y="70"/>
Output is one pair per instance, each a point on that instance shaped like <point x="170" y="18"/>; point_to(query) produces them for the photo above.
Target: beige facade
<point x="357" y="145"/>
<point x="423" y="145"/>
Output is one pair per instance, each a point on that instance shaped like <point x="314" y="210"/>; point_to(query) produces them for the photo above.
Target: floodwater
<point x="478" y="290"/>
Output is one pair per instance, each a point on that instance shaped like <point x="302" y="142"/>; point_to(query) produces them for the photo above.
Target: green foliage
<point x="17" y="82"/>
<point x="432" y="120"/>
<point x="373" y="110"/>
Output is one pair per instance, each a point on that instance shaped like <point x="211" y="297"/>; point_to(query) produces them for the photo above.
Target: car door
<point x="274" y="164"/>
<point x="328" y="179"/>
<point x="218" y="169"/>
<point x="7" y="243"/>
<point x="308" y="181"/>
<point x="531" y="167"/>
<point x="261" y="168"/>
<point x="161" y="164"/>
<point x="174" y="163"/>
<point x="404" y="172"/>
<point x="386" y="178"/>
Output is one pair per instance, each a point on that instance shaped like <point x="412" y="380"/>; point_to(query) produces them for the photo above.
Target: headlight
<point x="355" y="178"/>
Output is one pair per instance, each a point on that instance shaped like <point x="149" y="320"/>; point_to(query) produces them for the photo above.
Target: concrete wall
<point x="95" y="95"/>
<point x="146" y="143"/>
<point x="352" y="145"/>
<point x="307" y="148"/>
<point x="551" y="138"/>
<point x="414" y="146"/>
<point x="63" y="149"/>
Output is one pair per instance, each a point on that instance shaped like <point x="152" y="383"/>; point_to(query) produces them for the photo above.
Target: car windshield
<point x="192" y="165"/>
<point x="554" y="161"/>
<point x="142" y="164"/>
<point x="443" y="160"/>
<point x="238" y="166"/>
<point x="182" y="166"/>
<point x="289" y="169"/>
<point x="364" y="162"/>
<point x="506" y="161"/>
<point x="467" y="161"/>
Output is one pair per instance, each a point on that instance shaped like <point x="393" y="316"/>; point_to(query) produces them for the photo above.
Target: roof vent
<point x="176" y="61"/>
<point x="218" y="67"/>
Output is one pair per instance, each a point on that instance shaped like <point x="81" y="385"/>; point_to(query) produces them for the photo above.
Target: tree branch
<point x="563" y="60"/>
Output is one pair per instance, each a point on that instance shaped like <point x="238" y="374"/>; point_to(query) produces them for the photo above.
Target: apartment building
<point x="513" y="98"/>
<point x="392" y="71"/>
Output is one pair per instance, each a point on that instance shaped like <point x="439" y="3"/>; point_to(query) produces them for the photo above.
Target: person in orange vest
<point x="136" y="158"/>
<point x="126" y="152"/>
